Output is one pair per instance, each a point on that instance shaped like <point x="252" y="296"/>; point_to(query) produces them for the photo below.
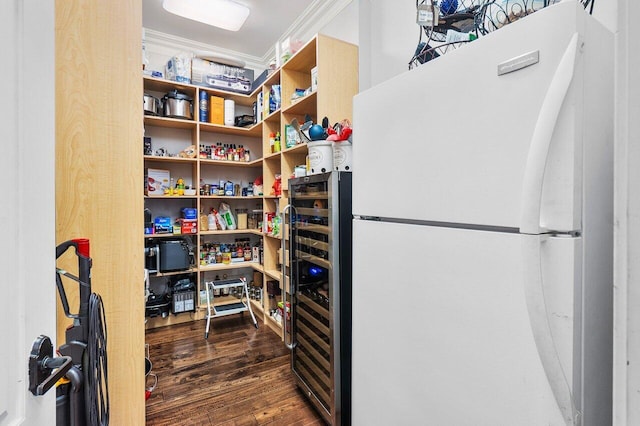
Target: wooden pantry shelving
<point x="336" y="63"/>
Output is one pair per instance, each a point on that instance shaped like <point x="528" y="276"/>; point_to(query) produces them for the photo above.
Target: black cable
<point x="96" y="375"/>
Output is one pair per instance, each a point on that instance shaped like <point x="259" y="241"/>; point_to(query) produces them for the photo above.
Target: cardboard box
<point x="162" y="225"/>
<point x="262" y="77"/>
<point x="223" y="77"/>
<point x="188" y="226"/>
<point x="156" y="181"/>
<point x="216" y="110"/>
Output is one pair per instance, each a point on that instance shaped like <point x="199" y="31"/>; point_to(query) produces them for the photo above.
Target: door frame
<point x="27" y="28"/>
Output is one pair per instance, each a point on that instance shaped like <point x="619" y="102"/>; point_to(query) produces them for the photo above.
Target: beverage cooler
<point x="319" y="219"/>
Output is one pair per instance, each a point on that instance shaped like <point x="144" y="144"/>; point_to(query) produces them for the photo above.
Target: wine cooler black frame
<point x="319" y="252"/>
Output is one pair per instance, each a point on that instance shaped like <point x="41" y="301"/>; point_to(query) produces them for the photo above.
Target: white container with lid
<point x="229" y="112"/>
<point x="342" y="155"/>
<point x="320" y="157"/>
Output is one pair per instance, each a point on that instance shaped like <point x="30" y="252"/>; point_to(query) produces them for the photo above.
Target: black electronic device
<point x="152" y="258"/>
<point x="174" y="255"/>
<point x="158" y="305"/>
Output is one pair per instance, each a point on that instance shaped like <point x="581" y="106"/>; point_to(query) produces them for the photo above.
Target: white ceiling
<point x="267" y="22"/>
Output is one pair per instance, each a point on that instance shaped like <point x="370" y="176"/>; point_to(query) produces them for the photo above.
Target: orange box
<point x="216" y="110"/>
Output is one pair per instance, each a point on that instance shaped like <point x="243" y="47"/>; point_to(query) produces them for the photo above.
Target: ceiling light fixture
<point x="225" y="14"/>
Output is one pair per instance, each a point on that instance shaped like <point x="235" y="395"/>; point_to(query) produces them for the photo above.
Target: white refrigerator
<point x="482" y="232"/>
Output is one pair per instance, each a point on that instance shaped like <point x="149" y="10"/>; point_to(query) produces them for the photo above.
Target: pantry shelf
<point x="331" y="97"/>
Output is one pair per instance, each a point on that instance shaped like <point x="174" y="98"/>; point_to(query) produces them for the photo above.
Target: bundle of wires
<point x="97" y="392"/>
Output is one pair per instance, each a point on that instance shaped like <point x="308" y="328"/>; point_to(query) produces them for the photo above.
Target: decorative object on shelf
<point x="257" y="186"/>
<point x="189" y="152"/>
<point x="277" y="185"/>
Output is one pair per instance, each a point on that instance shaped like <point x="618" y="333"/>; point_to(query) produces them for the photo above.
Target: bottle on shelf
<point x="272" y="142"/>
<point x="204" y="222"/>
<point x="276" y="143"/>
<point x="204" y="106"/>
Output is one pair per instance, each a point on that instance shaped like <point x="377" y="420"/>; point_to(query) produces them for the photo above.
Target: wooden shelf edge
<point x="227" y="266"/>
<point x="273" y="325"/>
<point x="274" y="274"/>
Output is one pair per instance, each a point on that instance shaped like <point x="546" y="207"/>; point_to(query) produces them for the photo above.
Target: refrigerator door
<point x="464" y="327"/>
<point x="455" y="142"/>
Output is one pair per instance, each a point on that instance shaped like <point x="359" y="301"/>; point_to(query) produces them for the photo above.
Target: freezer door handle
<point x="541" y="140"/>
<point x="532" y="246"/>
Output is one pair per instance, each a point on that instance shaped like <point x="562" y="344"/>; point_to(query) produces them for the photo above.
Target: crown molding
<point x="309" y="23"/>
<point x="159" y="42"/>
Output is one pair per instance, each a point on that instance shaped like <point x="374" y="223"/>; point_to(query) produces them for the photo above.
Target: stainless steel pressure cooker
<point x="151" y="105"/>
<point x="177" y="105"/>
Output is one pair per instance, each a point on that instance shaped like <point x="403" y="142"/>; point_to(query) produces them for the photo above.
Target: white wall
<point x="627" y="221"/>
<point x="344" y="26"/>
<point x="388" y="38"/>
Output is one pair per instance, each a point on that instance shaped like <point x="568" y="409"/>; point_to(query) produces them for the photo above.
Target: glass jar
<point x="241" y="214"/>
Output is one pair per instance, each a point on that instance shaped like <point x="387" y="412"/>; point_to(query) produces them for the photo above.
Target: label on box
<point x="219" y="76"/>
<point x="189" y="226"/>
<point x="157" y="181"/>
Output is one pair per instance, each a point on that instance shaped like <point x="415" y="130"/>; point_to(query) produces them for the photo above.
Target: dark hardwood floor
<point x="239" y="376"/>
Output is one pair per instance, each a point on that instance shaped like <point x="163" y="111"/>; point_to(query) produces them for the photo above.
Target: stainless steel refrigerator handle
<point x="284" y="273"/>
<point x="532" y="246"/>
<point x="541" y="140"/>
